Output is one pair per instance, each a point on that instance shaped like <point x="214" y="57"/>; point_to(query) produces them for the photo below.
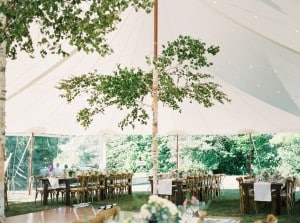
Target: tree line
<point x="230" y="155"/>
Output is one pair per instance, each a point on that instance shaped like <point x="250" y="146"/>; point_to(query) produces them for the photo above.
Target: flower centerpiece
<point x="265" y="175"/>
<point x="166" y="211"/>
<point x="194" y="207"/>
<point x="189" y="201"/>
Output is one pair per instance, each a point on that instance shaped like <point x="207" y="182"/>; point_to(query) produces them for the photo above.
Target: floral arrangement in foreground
<point x="270" y="219"/>
<point x="189" y="201"/>
<point x="189" y="205"/>
<point x="166" y="211"/>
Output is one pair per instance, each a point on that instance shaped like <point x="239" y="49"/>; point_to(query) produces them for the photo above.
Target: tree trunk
<point x="155" y="105"/>
<point x="2" y="114"/>
<point x="2" y="118"/>
<point x="154" y="132"/>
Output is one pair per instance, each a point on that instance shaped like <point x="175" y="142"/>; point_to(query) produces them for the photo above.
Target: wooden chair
<point x="80" y="193"/>
<point x="124" y="183"/>
<point x="118" y="183"/>
<point x="286" y="195"/>
<point x="294" y="191"/>
<point x="240" y="181"/>
<point x="212" y="186"/>
<point x="102" y="217"/>
<point x="206" y="185"/>
<point x="57" y="189"/>
<point x="218" y="179"/>
<point x="39" y="190"/>
<point x="112" y="186"/>
<point x="173" y="197"/>
<point x="129" y="182"/>
<point x="201" y="188"/>
<point x="93" y="182"/>
<point x="61" y="190"/>
<point x="102" y="187"/>
<point x="190" y="187"/>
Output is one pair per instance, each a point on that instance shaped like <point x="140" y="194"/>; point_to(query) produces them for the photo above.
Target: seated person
<point x="54" y="171"/>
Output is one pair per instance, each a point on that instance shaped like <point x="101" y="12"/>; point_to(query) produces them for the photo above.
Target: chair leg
<point x="35" y="198"/>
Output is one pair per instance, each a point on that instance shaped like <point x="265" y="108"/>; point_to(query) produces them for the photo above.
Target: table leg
<point x="278" y="200"/>
<point x="246" y="199"/>
<point x="179" y="197"/>
<point x="45" y="195"/>
<point x="68" y="200"/>
<point x="151" y="185"/>
<point x="130" y="189"/>
<point x="129" y="186"/>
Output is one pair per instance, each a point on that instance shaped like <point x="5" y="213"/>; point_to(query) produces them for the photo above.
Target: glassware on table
<point x="201" y="210"/>
<point x="137" y="218"/>
<point x="181" y="209"/>
<point x="201" y="205"/>
<point x="188" y="214"/>
<point x="195" y="207"/>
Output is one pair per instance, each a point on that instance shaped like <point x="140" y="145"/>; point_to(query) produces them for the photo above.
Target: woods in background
<point x="218" y="154"/>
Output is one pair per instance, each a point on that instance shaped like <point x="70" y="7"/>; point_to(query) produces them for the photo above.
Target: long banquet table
<point x="276" y="186"/>
<point x="68" y="180"/>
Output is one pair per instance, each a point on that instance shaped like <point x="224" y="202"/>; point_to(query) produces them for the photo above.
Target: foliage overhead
<point x="83" y="24"/>
<point x="180" y="77"/>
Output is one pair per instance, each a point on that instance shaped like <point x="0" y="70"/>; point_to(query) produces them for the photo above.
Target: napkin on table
<point x="53" y="182"/>
<point x="164" y="186"/>
<point x="262" y="191"/>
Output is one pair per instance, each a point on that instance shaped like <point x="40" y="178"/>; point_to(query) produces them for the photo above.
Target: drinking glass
<point x="201" y="205"/>
<point x="201" y="208"/>
<point x="195" y="207"/>
<point x="181" y="209"/>
<point x="188" y="214"/>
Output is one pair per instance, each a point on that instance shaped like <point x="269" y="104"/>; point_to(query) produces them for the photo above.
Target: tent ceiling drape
<point x="258" y="67"/>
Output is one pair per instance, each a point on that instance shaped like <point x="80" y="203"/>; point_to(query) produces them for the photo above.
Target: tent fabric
<point x="258" y="67"/>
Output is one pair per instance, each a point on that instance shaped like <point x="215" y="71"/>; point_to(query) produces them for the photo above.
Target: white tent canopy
<point x="258" y="67"/>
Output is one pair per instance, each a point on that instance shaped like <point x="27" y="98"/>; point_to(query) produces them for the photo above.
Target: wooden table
<point x="274" y="186"/>
<point x="67" y="181"/>
<point x="178" y="183"/>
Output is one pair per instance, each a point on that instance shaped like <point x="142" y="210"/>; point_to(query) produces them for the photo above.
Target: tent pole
<point x="177" y="152"/>
<point x="102" y="151"/>
<point x="30" y="163"/>
<point x="250" y="154"/>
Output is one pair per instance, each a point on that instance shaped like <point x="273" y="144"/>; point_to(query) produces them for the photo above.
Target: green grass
<point x="226" y="205"/>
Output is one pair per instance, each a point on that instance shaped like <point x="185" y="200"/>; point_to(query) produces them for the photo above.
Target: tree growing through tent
<point x="173" y="76"/>
<point x="83" y="24"/>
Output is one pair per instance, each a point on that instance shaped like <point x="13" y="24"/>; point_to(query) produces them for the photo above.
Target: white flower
<point x="145" y="213"/>
<point x="172" y="208"/>
<point x="162" y="204"/>
<point x="154" y="199"/>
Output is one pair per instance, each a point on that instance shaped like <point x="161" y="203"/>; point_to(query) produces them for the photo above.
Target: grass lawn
<point x="226" y="205"/>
